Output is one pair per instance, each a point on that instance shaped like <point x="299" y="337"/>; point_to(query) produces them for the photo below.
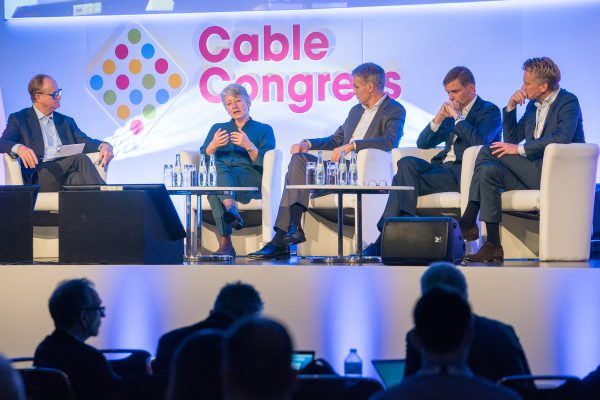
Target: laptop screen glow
<point x="390" y="372"/>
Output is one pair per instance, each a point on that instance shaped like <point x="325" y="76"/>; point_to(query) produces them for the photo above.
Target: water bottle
<point x="212" y="171"/>
<point x="343" y="170"/>
<point x="353" y="172"/>
<point x="177" y="172"/>
<point x="202" y="172"/>
<point x="320" y="170"/>
<point x="353" y="364"/>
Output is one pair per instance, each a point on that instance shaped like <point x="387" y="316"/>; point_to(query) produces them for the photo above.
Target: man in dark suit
<point x="495" y="350"/>
<point x="377" y="122"/>
<point x="234" y="301"/>
<point x="34" y="135"/>
<point x="553" y="115"/>
<point x="464" y="120"/>
<point x="77" y="312"/>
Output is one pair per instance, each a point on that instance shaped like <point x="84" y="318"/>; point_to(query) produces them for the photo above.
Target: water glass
<point x="168" y="174"/>
<point x="332" y="173"/>
<point x="311" y="168"/>
<point x="190" y="177"/>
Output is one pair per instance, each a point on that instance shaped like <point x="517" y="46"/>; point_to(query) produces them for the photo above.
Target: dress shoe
<point x="372" y="250"/>
<point x="233" y="217"/>
<point x="294" y="235"/>
<point x="469" y="232"/>
<point x="225" y="252"/>
<point x="487" y="253"/>
<point x="271" y="252"/>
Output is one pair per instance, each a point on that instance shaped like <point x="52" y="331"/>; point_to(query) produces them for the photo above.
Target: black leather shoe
<point x="469" y="233"/>
<point x="233" y="217"/>
<point x="225" y="252"/>
<point x="271" y="252"/>
<point x="487" y="253"/>
<point x="294" y="235"/>
<point x="372" y="250"/>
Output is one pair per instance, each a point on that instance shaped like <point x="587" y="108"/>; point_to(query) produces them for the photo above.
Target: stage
<point x="329" y="309"/>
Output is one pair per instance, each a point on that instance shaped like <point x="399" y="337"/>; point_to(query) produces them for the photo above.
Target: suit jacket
<point x="88" y="370"/>
<point x="591" y="385"/>
<point x="495" y="351"/>
<point x="384" y="132"/>
<point x="563" y="125"/>
<point x="169" y="342"/>
<point x="482" y="126"/>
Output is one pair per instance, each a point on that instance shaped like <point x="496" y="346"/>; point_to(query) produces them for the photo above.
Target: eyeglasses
<point x="53" y="95"/>
<point x="101" y="309"/>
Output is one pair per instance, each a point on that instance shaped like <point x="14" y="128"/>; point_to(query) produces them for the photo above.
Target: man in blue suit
<point x="377" y="122"/>
<point x="34" y="135"/>
<point x="464" y="120"/>
<point x="552" y="115"/>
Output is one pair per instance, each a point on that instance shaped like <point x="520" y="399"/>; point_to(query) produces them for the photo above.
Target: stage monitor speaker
<point x="16" y="222"/>
<point x="119" y="224"/>
<point x="420" y="241"/>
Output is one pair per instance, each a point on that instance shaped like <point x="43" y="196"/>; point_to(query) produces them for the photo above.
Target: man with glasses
<point x="77" y="312"/>
<point x="34" y="135"/>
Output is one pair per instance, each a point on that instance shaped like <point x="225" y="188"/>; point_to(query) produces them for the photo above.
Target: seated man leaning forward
<point x="240" y="146"/>
<point x="376" y="123"/>
<point x="552" y="115"/>
<point x="464" y="120"/>
<point x="34" y="135"/>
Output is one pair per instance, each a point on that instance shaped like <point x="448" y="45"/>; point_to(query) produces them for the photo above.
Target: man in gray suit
<point x="34" y="135"/>
<point x="553" y="115"/>
<point x="377" y="122"/>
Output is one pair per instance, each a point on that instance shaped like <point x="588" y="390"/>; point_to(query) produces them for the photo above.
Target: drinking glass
<point x="168" y="174"/>
<point x="190" y="175"/>
<point x="332" y="173"/>
<point x="311" y="167"/>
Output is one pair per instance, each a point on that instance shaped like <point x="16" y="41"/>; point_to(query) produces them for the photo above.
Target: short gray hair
<point x="445" y="275"/>
<point x="371" y="72"/>
<point x="236" y="90"/>
<point x="35" y="85"/>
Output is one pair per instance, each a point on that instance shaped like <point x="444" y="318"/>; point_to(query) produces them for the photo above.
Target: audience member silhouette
<point x="443" y="333"/>
<point x="495" y="351"/>
<point x="11" y="385"/>
<point x="258" y="361"/>
<point x="77" y="312"/>
<point x="591" y="385"/>
<point x="234" y="301"/>
<point x="196" y="367"/>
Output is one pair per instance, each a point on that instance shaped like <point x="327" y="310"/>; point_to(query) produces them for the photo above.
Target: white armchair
<point x="321" y="234"/>
<point x="444" y="200"/>
<point x="45" y="238"/>
<point x="565" y="203"/>
<point x="249" y="239"/>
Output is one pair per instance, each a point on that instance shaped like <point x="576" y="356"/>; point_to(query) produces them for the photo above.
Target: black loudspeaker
<point x="420" y="241"/>
<point x="16" y="223"/>
<point x="133" y="224"/>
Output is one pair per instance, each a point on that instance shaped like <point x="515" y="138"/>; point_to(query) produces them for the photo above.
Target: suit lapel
<point x="59" y="123"/>
<point x="551" y="111"/>
<point x="354" y="119"/>
<point x="378" y="117"/>
<point x="35" y="132"/>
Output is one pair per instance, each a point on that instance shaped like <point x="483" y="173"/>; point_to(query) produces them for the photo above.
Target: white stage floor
<point x="554" y="307"/>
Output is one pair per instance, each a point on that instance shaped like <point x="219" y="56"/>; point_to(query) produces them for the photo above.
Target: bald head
<point x="445" y="275"/>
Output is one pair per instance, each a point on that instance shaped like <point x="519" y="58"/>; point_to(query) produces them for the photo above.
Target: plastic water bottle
<point x="343" y="170"/>
<point x="177" y="172"/>
<point x="202" y="171"/>
<point x="353" y="170"/>
<point x="320" y="170"/>
<point x="353" y="364"/>
<point x="212" y="171"/>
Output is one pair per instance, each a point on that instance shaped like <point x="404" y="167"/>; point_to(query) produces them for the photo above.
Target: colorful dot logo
<point x="136" y="81"/>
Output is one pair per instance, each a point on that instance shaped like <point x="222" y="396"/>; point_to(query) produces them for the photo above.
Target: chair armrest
<point x="189" y="156"/>
<point x="466" y="174"/>
<point x="102" y="171"/>
<point x="270" y="191"/>
<point x="425" y="154"/>
<point x="12" y="171"/>
<point x="374" y="164"/>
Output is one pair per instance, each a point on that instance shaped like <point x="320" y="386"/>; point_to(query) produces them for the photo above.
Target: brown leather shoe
<point x="487" y="253"/>
<point x="469" y="232"/>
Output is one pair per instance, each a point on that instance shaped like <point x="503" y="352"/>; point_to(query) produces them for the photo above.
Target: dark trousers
<point x="231" y="174"/>
<point x="73" y="170"/>
<point x="426" y="179"/>
<point x="494" y="175"/>
<point x="296" y="175"/>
